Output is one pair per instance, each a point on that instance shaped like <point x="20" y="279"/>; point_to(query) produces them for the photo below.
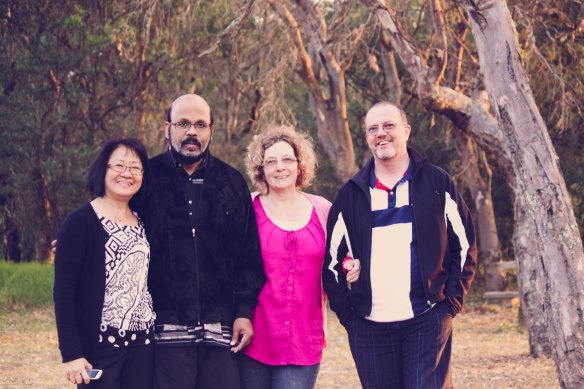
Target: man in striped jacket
<point x="413" y="235"/>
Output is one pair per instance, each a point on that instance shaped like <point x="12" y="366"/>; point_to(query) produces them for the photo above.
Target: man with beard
<point x="405" y="221"/>
<point x="206" y="270"/>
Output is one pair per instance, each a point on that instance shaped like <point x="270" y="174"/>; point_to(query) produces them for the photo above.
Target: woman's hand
<point x="75" y="371"/>
<point x="353" y="269"/>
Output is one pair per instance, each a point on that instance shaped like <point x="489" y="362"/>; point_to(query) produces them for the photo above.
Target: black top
<point x="79" y="283"/>
<point x="211" y="272"/>
<point x="192" y="185"/>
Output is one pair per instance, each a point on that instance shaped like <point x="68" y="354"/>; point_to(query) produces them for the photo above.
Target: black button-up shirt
<point x="192" y="186"/>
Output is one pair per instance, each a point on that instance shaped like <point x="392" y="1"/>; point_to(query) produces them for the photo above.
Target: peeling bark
<point x="548" y="246"/>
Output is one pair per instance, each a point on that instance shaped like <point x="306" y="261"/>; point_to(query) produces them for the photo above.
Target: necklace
<point x="123" y="216"/>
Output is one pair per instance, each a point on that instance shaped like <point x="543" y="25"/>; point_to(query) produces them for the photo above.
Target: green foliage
<point x="76" y="75"/>
<point x="25" y="285"/>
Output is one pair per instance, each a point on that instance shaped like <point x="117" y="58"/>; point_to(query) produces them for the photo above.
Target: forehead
<point x="190" y="108"/>
<point x="381" y="114"/>
<point x="122" y="153"/>
<point x="279" y="148"/>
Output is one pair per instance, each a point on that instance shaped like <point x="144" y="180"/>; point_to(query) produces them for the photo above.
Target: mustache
<point x="191" y="140"/>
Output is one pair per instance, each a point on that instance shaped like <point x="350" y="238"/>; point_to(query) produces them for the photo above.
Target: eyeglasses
<point x="273" y="162"/>
<point x="184" y="125"/>
<point x="134" y="170"/>
<point x="387" y="127"/>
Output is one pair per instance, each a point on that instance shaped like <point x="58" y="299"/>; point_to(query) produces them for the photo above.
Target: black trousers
<point x="409" y="354"/>
<point x="195" y="367"/>
<point x="123" y="368"/>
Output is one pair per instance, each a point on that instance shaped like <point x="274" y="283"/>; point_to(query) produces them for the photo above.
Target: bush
<point x="26" y="285"/>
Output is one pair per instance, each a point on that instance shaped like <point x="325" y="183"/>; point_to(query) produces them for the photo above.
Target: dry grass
<point x="490" y="351"/>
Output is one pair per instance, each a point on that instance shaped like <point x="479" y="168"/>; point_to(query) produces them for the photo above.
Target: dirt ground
<point x="490" y="351"/>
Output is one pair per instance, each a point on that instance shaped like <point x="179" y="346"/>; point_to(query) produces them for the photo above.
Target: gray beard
<point x="188" y="159"/>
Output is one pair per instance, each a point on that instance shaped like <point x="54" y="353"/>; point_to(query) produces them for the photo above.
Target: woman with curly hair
<point x="289" y="319"/>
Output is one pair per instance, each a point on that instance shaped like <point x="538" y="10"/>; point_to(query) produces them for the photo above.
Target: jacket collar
<point x="361" y="179"/>
<point x="212" y="177"/>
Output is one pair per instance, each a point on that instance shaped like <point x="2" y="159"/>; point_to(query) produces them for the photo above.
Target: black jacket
<point x="79" y="283"/>
<point x="214" y="274"/>
<point x="444" y="233"/>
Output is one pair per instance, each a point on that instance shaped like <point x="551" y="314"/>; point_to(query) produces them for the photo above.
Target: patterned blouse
<point x="127" y="317"/>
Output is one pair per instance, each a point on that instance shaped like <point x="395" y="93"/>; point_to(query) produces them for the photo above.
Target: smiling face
<point x="386" y="132"/>
<point x="280" y="167"/>
<point x="123" y="185"/>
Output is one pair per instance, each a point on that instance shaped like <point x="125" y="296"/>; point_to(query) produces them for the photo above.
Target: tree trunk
<point x="11" y="240"/>
<point x="145" y="36"/>
<point x="392" y="80"/>
<point x="479" y="184"/>
<point x="330" y="105"/>
<point x="46" y="220"/>
<point x="333" y="130"/>
<point x="548" y="247"/>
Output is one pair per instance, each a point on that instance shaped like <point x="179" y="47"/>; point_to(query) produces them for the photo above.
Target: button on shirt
<point x="192" y="184"/>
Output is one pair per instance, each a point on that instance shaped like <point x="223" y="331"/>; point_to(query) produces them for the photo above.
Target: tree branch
<point x="439" y="57"/>
<point x="231" y="30"/>
<point x="464" y="112"/>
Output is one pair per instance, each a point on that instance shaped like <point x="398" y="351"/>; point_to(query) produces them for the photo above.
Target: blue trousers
<point x="257" y="375"/>
<point x="409" y="354"/>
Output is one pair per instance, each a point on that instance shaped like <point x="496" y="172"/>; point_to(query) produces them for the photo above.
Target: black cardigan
<point x="79" y="283"/>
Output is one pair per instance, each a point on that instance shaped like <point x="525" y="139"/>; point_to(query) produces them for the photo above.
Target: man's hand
<point x="54" y="246"/>
<point x="353" y="268"/>
<point x="75" y="371"/>
<point x="241" y="328"/>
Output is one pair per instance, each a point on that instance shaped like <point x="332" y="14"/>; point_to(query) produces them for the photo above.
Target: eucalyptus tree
<point x="548" y="247"/>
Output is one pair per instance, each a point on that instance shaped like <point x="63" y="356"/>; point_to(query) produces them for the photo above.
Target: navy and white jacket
<point x="445" y="233"/>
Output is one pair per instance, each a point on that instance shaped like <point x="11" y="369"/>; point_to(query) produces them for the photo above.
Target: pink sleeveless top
<point x="288" y="319"/>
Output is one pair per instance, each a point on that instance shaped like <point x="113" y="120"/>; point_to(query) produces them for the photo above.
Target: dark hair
<point x="98" y="168"/>
<point x="169" y="115"/>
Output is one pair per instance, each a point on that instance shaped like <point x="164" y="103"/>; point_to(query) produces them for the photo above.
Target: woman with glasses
<point x="103" y="307"/>
<point x="289" y="319"/>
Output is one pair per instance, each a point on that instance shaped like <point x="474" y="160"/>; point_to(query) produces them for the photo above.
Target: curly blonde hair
<point x="303" y="151"/>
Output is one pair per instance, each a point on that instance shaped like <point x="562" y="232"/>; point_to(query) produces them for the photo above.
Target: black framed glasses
<point x="185" y="125"/>
<point x="134" y="170"/>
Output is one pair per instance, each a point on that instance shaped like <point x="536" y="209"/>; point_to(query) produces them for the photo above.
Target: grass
<point x="490" y="348"/>
<point x="490" y="351"/>
<point x="25" y="285"/>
